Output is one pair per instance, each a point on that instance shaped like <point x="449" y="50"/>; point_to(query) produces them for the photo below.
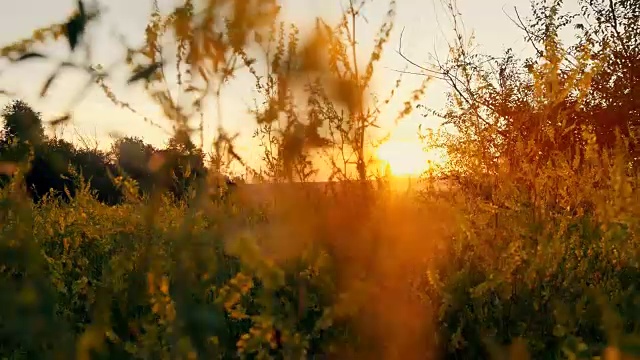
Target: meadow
<point x="530" y="251"/>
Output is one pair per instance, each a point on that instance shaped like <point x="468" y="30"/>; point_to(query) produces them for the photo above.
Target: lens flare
<point x="404" y="158"/>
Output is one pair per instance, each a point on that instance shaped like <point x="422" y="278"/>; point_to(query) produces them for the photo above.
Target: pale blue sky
<point x="424" y="23"/>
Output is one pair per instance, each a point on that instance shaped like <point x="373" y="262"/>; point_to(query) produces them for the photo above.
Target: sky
<point x="425" y="31"/>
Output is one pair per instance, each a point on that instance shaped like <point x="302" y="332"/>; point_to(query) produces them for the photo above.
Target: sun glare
<point x="404" y="158"/>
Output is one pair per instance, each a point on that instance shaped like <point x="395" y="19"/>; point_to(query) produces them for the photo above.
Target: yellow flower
<point x="235" y="314"/>
<point x="164" y="285"/>
<point x="150" y="283"/>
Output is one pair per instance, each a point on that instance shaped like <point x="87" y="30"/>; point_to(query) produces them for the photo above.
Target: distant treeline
<point x="57" y="165"/>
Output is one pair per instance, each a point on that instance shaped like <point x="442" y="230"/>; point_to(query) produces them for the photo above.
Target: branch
<point x="405" y="58"/>
<point x="455" y="83"/>
<point x="614" y="18"/>
<point x="520" y="25"/>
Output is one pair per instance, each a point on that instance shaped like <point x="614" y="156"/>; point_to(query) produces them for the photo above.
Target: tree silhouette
<point x="97" y="170"/>
<point x="22" y="130"/>
<point x="131" y="156"/>
<point x="52" y="159"/>
<point x="183" y="164"/>
<point x="50" y="170"/>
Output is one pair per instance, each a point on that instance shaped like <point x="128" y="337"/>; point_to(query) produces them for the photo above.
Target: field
<point x="523" y="242"/>
<point x="386" y="276"/>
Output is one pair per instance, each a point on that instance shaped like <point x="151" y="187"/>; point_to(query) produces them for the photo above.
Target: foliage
<point x="531" y="250"/>
<point x="544" y="157"/>
<point x="55" y="162"/>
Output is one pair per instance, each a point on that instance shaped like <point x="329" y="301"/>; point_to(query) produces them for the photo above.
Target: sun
<point x="404" y="158"/>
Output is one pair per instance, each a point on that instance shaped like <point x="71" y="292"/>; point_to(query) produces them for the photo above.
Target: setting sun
<point x="404" y="158"/>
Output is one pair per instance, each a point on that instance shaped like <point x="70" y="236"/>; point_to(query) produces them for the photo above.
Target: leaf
<point x="47" y="84"/>
<point x="156" y="162"/>
<point x="31" y="55"/>
<point x="60" y="120"/>
<point x="75" y="28"/>
<point x="8" y="168"/>
<point x="81" y="9"/>
<point x="568" y="129"/>
<point x="67" y="64"/>
<point x="145" y="73"/>
<point x="518" y="350"/>
<point x="91" y="339"/>
<point x="559" y="331"/>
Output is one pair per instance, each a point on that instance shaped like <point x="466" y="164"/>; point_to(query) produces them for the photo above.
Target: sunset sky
<point x="424" y="22"/>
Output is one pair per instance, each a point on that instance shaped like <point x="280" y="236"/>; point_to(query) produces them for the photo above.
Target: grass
<point x="531" y="253"/>
<point x="358" y="272"/>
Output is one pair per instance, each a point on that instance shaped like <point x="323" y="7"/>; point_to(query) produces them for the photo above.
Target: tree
<point x="536" y="151"/>
<point x="24" y="140"/>
<point x="515" y="112"/>
<point x="183" y="163"/>
<point x="49" y="170"/>
<point x="51" y="159"/>
<point x="23" y="123"/>
<point x="131" y="155"/>
<point x="22" y="130"/>
<point x="612" y="105"/>
<point x="97" y="171"/>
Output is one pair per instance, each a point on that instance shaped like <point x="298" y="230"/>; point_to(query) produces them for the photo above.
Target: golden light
<point x="403" y="157"/>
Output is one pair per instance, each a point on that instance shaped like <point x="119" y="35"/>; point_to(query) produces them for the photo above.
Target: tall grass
<point x="225" y="280"/>
<point x="357" y="272"/>
<point x="533" y="253"/>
